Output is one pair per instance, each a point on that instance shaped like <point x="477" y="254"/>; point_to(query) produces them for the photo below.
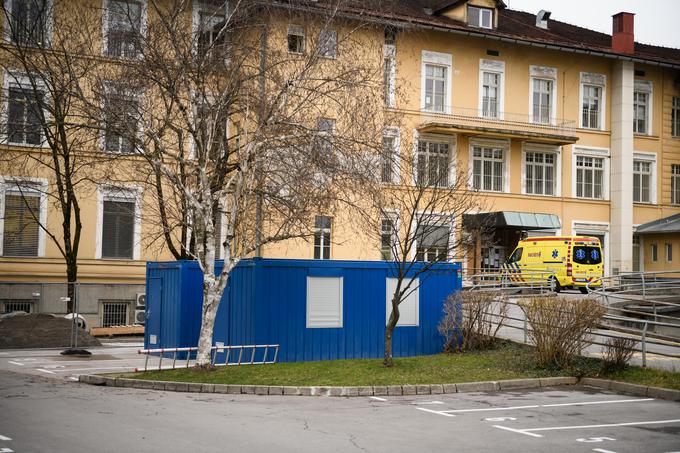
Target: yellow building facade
<point x="562" y="131"/>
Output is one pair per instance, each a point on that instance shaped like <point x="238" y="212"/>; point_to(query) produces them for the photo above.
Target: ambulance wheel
<point x="583" y="289"/>
<point x="554" y="285"/>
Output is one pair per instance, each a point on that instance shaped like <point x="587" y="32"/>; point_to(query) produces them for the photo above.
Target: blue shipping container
<point x="266" y="302"/>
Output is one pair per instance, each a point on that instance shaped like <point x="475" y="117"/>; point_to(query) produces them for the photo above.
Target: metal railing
<point x="508" y="280"/>
<point x="651" y="291"/>
<point x="640" y="294"/>
<point x="238" y="360"/>
<point x="603" y="331"/>
<point x="474" y="117"/>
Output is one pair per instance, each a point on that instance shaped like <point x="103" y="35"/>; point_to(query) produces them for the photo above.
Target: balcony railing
<point x="502" y="121"/>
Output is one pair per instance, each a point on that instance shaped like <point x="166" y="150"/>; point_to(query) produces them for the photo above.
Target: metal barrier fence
<point x="97" y="304"/>
<point x="214" y="353"/>
<point x="647" y="341"/>
<point x="508" y="280"/>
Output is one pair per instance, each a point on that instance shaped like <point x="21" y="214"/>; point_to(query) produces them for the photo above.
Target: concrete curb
<point x="390" y="390"/>
<point x="633" y="389"/>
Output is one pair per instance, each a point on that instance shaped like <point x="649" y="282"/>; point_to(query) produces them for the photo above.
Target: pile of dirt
<point x="40" y="331"/>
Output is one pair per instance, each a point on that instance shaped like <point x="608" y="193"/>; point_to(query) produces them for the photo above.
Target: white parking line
<point x="608" y="425"/>
<point x="46" y="371"/>
<point x="602" y="450"/>
<point x="532" y="431"/>
<point x="377" y="398"/>
<point x="586" y="403"/>
<point x="535" y="406"/>
<point x="4" y="438"/>
<point x="435" y="412"/>
<point x="15" y="363"/>
<point x="519" y="431"/>
<point x="6" y="450"/>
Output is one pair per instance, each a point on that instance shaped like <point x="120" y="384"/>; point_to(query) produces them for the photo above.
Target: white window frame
<point x="445" y="220"/>
<point x="504" y="145"/>
<point x="106" y="24"/>
<point x="651" y="159"/>
<point x="543" y="73"/>
<point x="324" y="35"/>
<point x="309" y="324"/>
<point x="589" y="227"/>
<point x="528" y="147"/>
<point x="109" y="89"/>
<point x="293" y="30"/>
<point x="589" y="151"/>
<point x="20" y="80"/>
<point x="322" y="243"/>
<point x="111" y="192"/>
<point x="645" y="86"/>
<point x="197" y="8"/>
<point x="599" y="81"/>
<point x="392" y="215"/>
<point x="451" y="140"/>
<point x="675" y="184"/>
<point x="8" y="184"/>
<point x="668" y="246"/>
<point x="482" y="10"/>
<point x="49" y="23"/>
<point x="390" y="55"/>
<point x="393" y="132"/>
<point x="437" y="59"/>
<point x="494" y="67"/>
<point x="410" y="302"/>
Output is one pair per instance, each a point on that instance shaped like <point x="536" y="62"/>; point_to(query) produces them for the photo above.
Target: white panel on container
<point x="324" y="302"/>
<point x="409" y="307"/>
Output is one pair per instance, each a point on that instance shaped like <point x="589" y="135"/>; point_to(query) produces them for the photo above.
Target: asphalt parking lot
<point x="42" y="414"/>
<point x="115" y="356"/>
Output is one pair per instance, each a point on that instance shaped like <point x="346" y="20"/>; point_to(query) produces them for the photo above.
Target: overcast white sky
<point x="656" y="21"/>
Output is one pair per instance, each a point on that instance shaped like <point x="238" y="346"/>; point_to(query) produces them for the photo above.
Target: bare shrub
<point x="617" y="352"/>
<point x="560" y="327"/>
<point x="472" y="319"/>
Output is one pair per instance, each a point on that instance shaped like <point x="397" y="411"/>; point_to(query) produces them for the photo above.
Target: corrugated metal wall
<point x="265" y="303"/>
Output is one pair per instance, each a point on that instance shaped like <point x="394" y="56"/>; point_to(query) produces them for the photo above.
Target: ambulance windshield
<point x="587" y="255"/>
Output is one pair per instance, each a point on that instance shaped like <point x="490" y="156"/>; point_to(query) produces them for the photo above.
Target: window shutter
<point x="118" y="226"/>
<point x="409" y="307"/>
<point x="324" y="302"/>
<point x="21" y="229"/>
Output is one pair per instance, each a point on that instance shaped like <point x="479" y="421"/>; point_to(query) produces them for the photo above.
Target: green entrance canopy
<point x="513" y="220"/>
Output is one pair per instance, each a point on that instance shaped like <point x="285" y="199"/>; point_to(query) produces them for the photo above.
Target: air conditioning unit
<point x="141" y="301"/>
<point x="140" y="317"/>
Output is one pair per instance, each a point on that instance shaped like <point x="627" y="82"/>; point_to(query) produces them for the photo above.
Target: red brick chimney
<point x="623" y="33"/>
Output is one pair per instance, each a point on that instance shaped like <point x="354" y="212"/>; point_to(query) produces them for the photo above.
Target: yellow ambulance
<point x="562" y="262"/>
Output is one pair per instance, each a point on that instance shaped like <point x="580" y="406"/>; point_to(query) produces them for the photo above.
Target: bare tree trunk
<point x="389" y="331"/>
<point x="71" y="279"/>
<point x="211" y="299"/>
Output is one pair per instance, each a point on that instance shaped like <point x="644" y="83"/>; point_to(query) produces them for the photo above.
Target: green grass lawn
<point x="508" y="361"/>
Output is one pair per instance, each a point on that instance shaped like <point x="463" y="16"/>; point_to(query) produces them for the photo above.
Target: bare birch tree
<point x="263" y="116"/>
<point x="419" y="217"/>
<point x="46" y="55"/>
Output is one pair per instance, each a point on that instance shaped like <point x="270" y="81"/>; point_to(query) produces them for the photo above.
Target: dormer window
<point x="480" y="17"/>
